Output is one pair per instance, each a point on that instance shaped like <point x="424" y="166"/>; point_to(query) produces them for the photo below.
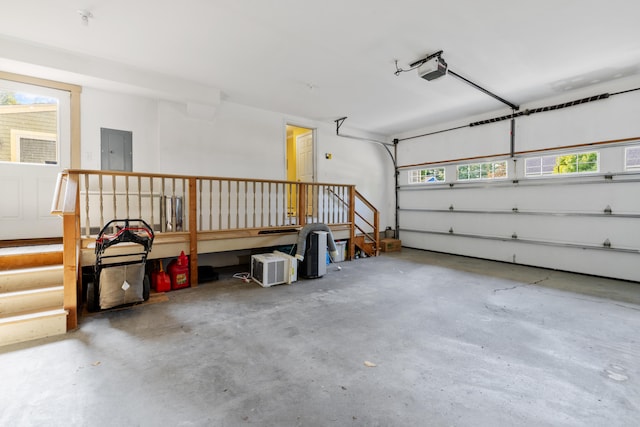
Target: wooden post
<point x="70" y="254"/>
<point x="302" y="203"/>
<point x="376" y="230"/>
<point x="193" y="232"/>
<point x="352" y="222"/>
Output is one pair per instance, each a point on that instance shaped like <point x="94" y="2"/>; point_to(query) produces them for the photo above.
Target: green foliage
<point x="474" y="171"/>
<point x="572" y="163"/>
<point x="432" y="175"/>
<point x="487" y="170"/>
<point x="7" y="98"/>
<point x="463" y="172"/>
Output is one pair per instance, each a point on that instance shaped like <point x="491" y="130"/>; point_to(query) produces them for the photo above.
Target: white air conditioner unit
<point x="272" y="269"/>
<point x="292" y="273"/>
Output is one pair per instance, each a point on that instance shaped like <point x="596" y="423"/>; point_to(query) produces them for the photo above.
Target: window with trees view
<point x="632" y="158"/>
<point x="588" y="162"/>
<point x="28" y="128"/>
<point x="486" y="170"/>
<point x="420" y="176"/>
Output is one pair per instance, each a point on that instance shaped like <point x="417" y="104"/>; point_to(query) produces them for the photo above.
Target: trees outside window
<point x="587" y="162"/>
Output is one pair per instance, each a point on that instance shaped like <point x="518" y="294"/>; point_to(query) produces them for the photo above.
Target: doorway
<point x="35" y="145"/>
<point x="300" y="162"/>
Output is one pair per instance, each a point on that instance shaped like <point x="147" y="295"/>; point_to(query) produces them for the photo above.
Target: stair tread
<point x="31" y="291"/>
<point x="23" y="279"/>
<point x="32" y="314"/>
<point x="27" y="270"/>
<point x="36" y="249"/>
<point x="15" y="258"/>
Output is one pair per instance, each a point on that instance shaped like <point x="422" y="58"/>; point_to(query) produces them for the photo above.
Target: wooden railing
<point x="164" y="201"/>
<point x="366" y="222"/>
<point x="194" y="208"/>
<point x="66" y="203"/>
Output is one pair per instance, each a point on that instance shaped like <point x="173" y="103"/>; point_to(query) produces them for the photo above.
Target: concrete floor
<point x="456" y="342"/>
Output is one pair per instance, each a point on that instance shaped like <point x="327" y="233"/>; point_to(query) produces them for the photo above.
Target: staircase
<point x="366" y="244"/>
<point x="31" y="293"/>
<point x="366" y="236"/>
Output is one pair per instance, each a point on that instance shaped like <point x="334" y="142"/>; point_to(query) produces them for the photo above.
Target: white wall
<point x="101" y="109"/>
<point x="425" y="208"/>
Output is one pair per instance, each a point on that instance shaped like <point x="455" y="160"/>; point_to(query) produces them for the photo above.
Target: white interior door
<point x="304" y="157"/>
<point x="304" y="165"/>
<point x="28" y="182"/>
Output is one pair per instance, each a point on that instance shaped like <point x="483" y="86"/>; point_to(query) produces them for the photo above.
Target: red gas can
<point x="160" y="280"/>
<point x="179" y="272"/>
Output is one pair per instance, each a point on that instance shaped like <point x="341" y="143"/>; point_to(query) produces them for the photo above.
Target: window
<point x="486" y="170"/>
<point x="588" y="162"/>
<point x="420" y="176"/>
<point x="28" y="128"/>
<point x="632" y="158"/>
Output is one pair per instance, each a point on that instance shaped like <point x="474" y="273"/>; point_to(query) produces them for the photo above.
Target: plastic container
<point x="389" y="233"/>
<point x="171" y="213"/>
<point x="179" y="272"/>
<point x="160" y="280"/>
<point x="341" y="248"/>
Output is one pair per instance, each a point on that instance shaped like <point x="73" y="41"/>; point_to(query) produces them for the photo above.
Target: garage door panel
<point x="540" y="222"/>
<point x="587" y="261"/>
<point x="563" y="229"/>
<point x="554" y="198"/>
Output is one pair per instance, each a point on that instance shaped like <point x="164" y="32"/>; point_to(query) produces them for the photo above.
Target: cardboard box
<point x="390" y="245"/>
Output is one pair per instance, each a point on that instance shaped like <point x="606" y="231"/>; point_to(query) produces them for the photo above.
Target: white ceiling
<point x="331" y="58"/>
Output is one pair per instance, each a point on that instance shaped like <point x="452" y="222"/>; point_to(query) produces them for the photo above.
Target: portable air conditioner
<point x="314" y="264"/>
<point x="269" y="269"/>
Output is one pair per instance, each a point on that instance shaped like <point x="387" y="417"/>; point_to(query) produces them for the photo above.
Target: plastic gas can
<point x="160" y="280"/>
<point x="179" y="272"/>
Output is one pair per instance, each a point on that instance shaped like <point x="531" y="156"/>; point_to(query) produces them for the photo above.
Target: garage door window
<point x="425" y="176"/>
<point x="574" y="163"/>
<point x="486" y="170"/>
<point x="632" y="158"/>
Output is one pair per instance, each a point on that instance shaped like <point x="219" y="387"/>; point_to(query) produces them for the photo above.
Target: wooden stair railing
<point x="368" y="239"/>
<point x="368" y="226"/>
<point x="66" y="202"/>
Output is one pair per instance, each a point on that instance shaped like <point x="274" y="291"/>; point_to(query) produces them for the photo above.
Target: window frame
<point x="61" y="108"/>
<point x="632" y="168"/>
<point x="17" y="135"/>
<point x="69" y="152"/>
<point x="475" y="171"/>
<point x="542" y="173"/>
<point x="417" y="173"/>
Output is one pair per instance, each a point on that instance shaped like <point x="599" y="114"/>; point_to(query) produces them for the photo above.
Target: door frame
<point x="74" y="92"/>
<point x="30" y="215"/>
<point x="314" y="137"/>
<point x="70" y="158"/>
<point x="293" y="208"/>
